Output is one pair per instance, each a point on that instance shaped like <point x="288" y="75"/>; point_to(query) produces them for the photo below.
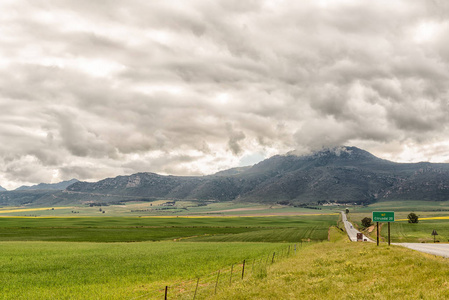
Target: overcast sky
<point x="95" y="89"/>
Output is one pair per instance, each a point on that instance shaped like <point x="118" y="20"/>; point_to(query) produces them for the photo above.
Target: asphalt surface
<point x="435" y="249"/>
<point x="352" y="232"/>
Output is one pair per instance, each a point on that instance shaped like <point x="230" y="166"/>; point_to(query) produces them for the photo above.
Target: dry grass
<point x="344" y="270"/>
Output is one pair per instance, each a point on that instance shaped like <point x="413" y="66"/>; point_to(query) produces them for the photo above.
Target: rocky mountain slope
<point x="344" y="174"/>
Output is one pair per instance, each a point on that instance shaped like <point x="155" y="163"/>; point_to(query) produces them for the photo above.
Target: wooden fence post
<point x="166" y="291"/>
<point x="243" y="269"/>
<point x="216" y="284"/>
<point x="197" y="282"/>
<point x="230" y="277"/>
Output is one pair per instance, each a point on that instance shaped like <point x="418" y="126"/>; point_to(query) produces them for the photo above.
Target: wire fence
<point x="212" y="283"/>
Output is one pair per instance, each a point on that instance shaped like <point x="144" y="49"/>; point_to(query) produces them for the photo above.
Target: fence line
<point x="209" y="284"/>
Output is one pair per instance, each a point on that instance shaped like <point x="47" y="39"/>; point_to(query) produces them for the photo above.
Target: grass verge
<point x="344" y="270"/>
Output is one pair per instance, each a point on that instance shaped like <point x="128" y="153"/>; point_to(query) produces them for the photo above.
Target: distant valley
<point x="344" y="174"/>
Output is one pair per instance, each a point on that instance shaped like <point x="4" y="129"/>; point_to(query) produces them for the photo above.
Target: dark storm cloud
<point x="90" y="89"/>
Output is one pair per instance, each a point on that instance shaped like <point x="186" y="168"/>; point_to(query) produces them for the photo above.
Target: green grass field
<point x="403" y="232"/>
<point x="49" y="270"/>
<point x="240" y="229"/>
<point x="97" y="258"/>
<point x="402" y="209"/>
<point x="107" y="257"/>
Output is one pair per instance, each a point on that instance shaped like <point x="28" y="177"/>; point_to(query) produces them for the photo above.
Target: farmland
<point x="88" y="257"/>
<point x="44" y="270"/>
<point x="63" y="256"/>
<point x="403" y="232"/>
<point x="161" y="208"/>
<point x="117" y="229"/>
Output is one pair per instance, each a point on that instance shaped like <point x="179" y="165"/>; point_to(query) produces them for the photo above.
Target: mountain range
<point x="48" y="186"/>
<point x="342" y="174"/>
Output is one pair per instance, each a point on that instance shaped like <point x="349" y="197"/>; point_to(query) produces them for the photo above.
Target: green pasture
<point x="61" y="270"/>
<point x="405" y="207"/>
<point x="404" y="232"/>
<point x="98" y="258"/>
<point x="278" y="235"/>
<point x="241" y="229"/>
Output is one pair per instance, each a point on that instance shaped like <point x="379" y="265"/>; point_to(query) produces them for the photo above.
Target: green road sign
<point x="383" y="216"/>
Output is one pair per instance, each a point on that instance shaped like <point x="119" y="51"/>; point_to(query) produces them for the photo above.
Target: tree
<point x="412" y="218"/>
<point x="347" y="211"/>
<point x="366" y="222"/>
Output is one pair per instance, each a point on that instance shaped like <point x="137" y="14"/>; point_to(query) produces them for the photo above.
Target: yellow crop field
<point x="29" y="209"/>
<point x="429" y="218"/>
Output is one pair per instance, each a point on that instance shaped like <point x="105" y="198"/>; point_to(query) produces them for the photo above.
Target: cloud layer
<point x="92" y="89"/>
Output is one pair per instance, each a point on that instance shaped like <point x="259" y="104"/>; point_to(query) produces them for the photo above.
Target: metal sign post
<point x="434" y="233"/>
<point x="388" y="233"/>
<point x="384" y="217"/>
<point x="377" y="233"/>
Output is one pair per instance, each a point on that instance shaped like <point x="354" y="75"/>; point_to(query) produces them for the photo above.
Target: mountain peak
<point x="2" y="189"/>
<point x="337" y="152"/>
<point x="344" y="152"/>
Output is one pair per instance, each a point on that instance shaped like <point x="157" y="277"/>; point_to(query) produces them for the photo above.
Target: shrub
<point x="366" y="222"/>
<point x="412" y="218"/>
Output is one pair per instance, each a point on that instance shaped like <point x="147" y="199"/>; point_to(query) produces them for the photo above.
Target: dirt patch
<point x="371" y="228"/>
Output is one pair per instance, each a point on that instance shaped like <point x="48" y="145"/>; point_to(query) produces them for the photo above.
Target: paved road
<point x="435" y="249"/>
<point x="352" y="232"/>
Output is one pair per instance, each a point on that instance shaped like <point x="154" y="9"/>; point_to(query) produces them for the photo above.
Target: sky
<point x="96" y="89"/>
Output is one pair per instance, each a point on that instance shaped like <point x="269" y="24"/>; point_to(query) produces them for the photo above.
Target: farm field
<point x="107" y="257"/>
<point x="403" y="232"/>
<point x="61" y="270"/>
<point x="403" y="208"/>
<point x="97" y="258"/>
<point x="242" y="229"/>
<point x="163" y="208"/>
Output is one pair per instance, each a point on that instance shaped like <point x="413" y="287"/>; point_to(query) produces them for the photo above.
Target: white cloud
<point x="95" y="89"/>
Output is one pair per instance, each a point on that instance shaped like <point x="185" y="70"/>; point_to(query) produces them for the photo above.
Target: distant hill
<point x="342" y="174"/>
<point x="48" y="186"/>
<point x="2" y="189"/>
